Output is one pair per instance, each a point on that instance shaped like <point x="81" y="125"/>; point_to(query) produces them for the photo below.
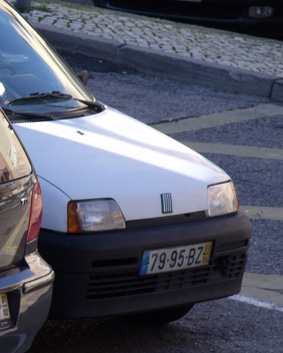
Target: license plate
<point x="173" y="259"/>
<point x="5" y="320"/>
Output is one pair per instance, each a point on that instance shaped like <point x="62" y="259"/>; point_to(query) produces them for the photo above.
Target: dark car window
<point x="14" y="163"/>
<point x="28" y="65"/>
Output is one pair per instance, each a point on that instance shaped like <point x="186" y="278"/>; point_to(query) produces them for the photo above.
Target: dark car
<point x="231" y="12"/>
<point x="26" y="280"/>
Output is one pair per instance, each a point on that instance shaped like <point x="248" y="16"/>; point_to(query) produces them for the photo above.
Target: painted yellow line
<point x="267" y="288"/>
<point x="218" y="119"/>
<point x="238" y="151"/>
<point x="267" y="213"/>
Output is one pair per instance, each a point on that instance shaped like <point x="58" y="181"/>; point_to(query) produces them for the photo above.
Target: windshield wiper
<point x="36" y="95"/>
<point x="91" y="104"/>
<point x="27" y="115"/>
<point x="58" y="95"/>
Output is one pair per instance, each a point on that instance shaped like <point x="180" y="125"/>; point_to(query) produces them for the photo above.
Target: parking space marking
<point x="256" y="302"/>
<point x="262" y="290"/>
<point x="236" y="150"/>
<point x="218" y="119"/>
<point x="267" y="213"/>
<point x="264" y="287"/>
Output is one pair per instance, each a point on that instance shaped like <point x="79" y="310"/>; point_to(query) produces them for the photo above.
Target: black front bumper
<point x="98" y="274"/>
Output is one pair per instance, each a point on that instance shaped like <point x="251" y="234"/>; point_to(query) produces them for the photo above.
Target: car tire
<point x="159" y="317"/>
<point x="99" y="3"/>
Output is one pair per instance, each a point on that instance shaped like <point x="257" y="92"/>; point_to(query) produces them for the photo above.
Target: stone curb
<point x="167" y="65"/>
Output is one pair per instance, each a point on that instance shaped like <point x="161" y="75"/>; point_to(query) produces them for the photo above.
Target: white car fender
<point x="54" y="207"/>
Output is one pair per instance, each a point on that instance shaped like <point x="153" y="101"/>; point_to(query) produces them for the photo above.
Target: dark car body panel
<point x="232" y="12"/>
<point x="13" y="219"/>
<point x="101" y="271"/>
<point x="26" y="280"/>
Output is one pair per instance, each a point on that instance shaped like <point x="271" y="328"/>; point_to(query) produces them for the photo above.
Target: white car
<point x="133" y="221"/>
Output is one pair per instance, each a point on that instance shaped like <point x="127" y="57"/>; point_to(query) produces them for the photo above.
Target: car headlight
<point x="94" y="215"/>
<point x="222" y="199"/>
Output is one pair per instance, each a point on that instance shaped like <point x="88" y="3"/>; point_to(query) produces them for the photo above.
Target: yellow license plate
<point x="173" y="259"/>
<point x="5" y="319"/>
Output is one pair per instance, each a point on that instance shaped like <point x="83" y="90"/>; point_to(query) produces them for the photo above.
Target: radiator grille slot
<point x="234" y="265"/>
<point x="127" y="284"/>
<point x="119" y="285"/>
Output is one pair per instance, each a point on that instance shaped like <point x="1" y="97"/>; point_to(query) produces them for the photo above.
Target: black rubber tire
<point x="159" y="317"/>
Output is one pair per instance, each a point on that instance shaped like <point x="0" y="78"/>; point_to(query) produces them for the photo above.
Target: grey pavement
<point x="219" y="59"/>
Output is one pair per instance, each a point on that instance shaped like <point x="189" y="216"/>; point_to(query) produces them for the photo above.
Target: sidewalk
<point x="220" y="59"/>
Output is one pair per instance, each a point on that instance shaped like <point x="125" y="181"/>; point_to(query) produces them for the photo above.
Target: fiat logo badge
<point x="166" y="203"/>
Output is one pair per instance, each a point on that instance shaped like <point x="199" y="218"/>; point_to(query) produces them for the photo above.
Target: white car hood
<point x="110" y="155"/>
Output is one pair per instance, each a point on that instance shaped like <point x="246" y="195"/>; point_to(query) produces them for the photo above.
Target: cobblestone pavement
<point x="190" y="41"/>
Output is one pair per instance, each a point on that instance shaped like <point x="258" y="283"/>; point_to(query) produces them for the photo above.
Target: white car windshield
<point x="33" y="77"/>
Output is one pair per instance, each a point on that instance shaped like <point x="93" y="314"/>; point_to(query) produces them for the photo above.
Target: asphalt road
<point x="242" y="134"/>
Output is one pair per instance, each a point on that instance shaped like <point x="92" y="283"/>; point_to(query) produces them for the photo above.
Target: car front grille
<point x="130" y="283"/>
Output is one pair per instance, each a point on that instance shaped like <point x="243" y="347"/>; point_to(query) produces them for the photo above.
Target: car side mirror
<point x="83" y="76"/>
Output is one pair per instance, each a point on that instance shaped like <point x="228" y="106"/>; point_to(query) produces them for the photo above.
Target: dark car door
<point x="16" y="182"/>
